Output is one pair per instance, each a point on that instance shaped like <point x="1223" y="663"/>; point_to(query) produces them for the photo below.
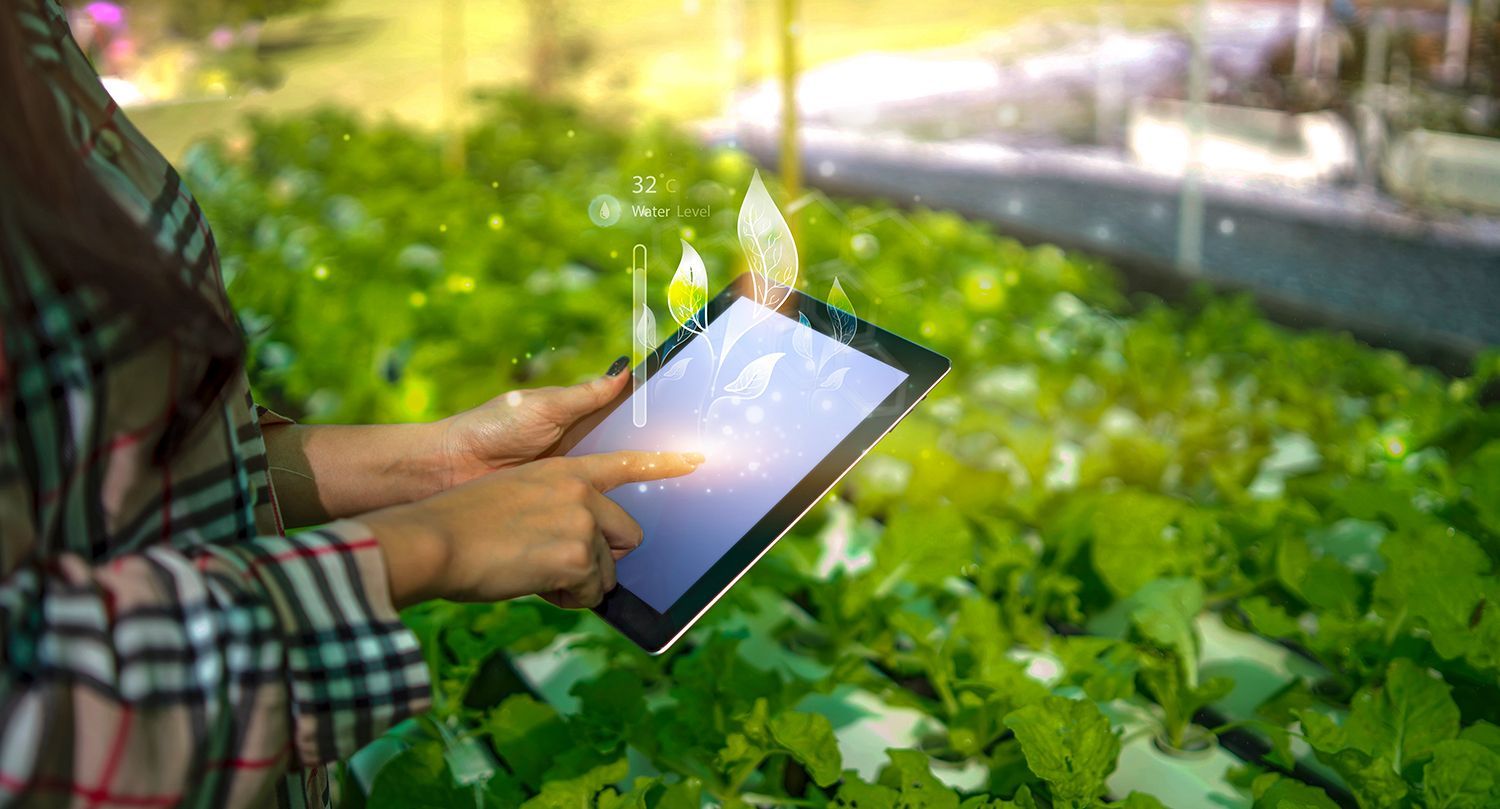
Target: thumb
<point x="576" y="401"/>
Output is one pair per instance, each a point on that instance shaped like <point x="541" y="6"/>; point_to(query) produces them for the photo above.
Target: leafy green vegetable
<point x="1090" y="456"/>
<point x="1462" y="775"/>
<point x="1068" y="743"/>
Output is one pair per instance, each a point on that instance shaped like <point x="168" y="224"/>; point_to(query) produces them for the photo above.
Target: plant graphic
<point x="771" y="255"/>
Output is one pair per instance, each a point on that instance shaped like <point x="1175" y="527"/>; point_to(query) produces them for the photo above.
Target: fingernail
<point x="617" y="366"/>
<point x="694" y="458"/>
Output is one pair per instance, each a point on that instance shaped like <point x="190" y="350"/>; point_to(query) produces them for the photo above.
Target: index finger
<point x="608" y="470"/>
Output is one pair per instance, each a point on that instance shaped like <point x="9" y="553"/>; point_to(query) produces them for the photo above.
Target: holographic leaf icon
<point x="802" y="338"/>
<point x="767" y="242"/>
<point x="688" y="292"/>
<point x="835" y="380"/>
<point x="645" y="328"/>
<point x="676" y="369"/>
<point x="752" y="381"/>
<point x="841" y="314"/>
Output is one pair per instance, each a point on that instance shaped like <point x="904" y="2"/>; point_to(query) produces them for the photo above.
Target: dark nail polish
<point x="618" y="366"/>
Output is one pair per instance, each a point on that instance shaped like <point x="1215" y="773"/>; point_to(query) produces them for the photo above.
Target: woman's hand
<point x="545" y="527"/>
<point x="324" y="472"/>
<point x="517" y="427"/>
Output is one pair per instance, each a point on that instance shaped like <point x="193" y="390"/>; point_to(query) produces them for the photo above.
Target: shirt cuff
<point x="353" y="668"/>
<point x="267" y="417"/>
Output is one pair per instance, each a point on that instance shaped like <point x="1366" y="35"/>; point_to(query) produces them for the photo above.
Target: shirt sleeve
<point x="165" y="673"/>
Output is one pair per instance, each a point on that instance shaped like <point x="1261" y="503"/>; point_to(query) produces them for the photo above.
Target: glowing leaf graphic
<point x="688" y="291"/>
<point x="834" y="381"/>
<point x="767" y="242"/>
<point x="841" y="314"/>
<point x="676" y="369"/>
<point x="645" y="328"/>
<point x="802" y="338"/>
<point x="753" y="380"/>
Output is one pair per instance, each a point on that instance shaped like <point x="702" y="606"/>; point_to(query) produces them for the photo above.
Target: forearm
<point x="324" y="472"/>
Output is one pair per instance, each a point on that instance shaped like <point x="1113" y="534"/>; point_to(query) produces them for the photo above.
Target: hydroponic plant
<point x="1127" y="555"/>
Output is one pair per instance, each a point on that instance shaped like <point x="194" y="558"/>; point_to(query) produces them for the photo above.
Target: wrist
<point x="424" y="463"/>
<point x="417" y="554"/>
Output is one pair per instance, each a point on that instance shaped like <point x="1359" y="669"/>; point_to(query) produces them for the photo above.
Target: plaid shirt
<point x="161" y="642"/>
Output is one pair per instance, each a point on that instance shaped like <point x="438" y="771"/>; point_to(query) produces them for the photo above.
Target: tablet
<point x="782" y="402"/>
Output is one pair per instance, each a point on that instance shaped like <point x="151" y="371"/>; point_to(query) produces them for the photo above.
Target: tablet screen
<point x="764" y="398"/>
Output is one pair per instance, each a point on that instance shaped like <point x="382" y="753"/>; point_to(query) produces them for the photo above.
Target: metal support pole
<point x="791" y="162"/>
<point x="1190" y="210"/>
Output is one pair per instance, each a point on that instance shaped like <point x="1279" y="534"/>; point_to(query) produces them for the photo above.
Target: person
<point x="163" y="641"/>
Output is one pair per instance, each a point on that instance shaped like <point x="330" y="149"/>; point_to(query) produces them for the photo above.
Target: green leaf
<point x="1132" y="544"/>
<point x="1106" y="668"/>
<point x="1286" y="793"/>
<point x="910" y="775"/>
<point x="857" y="794"/>
<point x="1483" y="733"/>
<point x="1320" y="581"/>
<point x="528" y="735"/>
<point x="1373" y="779"/>
<point x="418" y="778"/>
<point x="1462" y="775"/>
<point x="1480" y="475"/>
<point x="1069" y="744"/>
<point x="809" y="738"/>
<point x="924" y="546"/>
<point x="1164" y="611"/>
<point x="1269" y="619"/>
<point x="1438" y="578"/>
<point x="579" y="788"/>
<point x="609" y="706"/>
<point x="1405" y="718"/>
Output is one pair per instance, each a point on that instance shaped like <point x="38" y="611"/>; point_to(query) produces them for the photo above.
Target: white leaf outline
<point x="767" y="243"/>
<point x="754" y="377"/>
<point x="676" y="369"/>
<point x="645" y="328"/>
<point x="687" y="293"/>
<point x="802" y="338"/>
<point x="841" y="314"/>
<point x="835" y="380"/>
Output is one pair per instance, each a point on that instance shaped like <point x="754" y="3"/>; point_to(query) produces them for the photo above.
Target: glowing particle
<point x="443" y="228"/>
<point x="651" y="153"/>
<point x="346" y="137"/>
<point x="1394" y="446"/>
<point x="320" y="272"/>
<point x="1226" y="226"/>
<point x="754" y="414"/>
<point x="496" y="221"/>
<point x="571" y="133"/>
<point x="825" y="168"/>
<point x="643" y="487"/>
<point x="417" y="299"/>
<point x="494" y="183"/>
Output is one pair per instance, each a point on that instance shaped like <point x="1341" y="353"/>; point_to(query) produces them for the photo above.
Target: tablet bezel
<point x="656" y="631"/>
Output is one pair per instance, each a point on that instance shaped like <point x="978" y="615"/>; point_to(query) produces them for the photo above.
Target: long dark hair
<point x="55" y="207"/>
